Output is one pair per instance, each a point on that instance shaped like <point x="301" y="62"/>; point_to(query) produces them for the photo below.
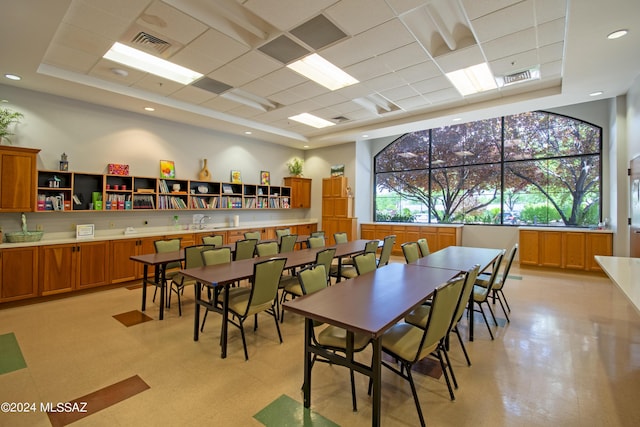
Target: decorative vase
<point x="204" y="174"/>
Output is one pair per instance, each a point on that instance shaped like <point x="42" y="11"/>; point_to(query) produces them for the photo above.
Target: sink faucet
<point x="202" y="219"/>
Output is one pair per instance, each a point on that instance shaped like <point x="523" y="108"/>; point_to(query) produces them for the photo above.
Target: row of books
<point x="231" y="202"/>
<point x="171" y="202"/>
<point x="203" y="202"/>
<point x="144" y="201"/>
<point x="53" y="203"/>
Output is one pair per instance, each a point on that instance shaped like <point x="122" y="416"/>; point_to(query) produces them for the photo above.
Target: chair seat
<point x="418" y="316"/>
<point x="349" y="272"/>
<point x="483" y="280"/>
<point x="335" y="337"/>
<point x="479" y="293"/>
<point x="294" y="288"/>
<point x="238" y="302"/>
<point x="403" y="339"/>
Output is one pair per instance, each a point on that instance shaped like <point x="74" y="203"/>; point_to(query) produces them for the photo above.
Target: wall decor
<point x="265" y="178"/>
<point x="117" y="169"/>
<point x="337" y="170"/>
<point x="236" y="177"/>
<point x="167" y="169"/>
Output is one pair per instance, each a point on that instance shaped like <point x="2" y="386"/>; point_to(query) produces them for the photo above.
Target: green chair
<point x="350" y="271"/>
<point x="333" y="338"/>
<point x="498" y="285"/>
<point x="318" y="233"/>
<point x="282" y="232"/>
<point x="245" y="249"/>
<point x="411" y="251"/>
<point x="424" y="247"/>
<point x="253" y="235"/>
<point x="316" y="242"/>
<point x="340" y="237"/>
<point x="408" y="344"/>
<point x="192" y="259"/>
<point x="171" y="268"/>
<point x="214" y="239"/>
<point x="288" y="243"/>
<point x="267" y="248"/>
<point x="261" y="298"/>
<point x="387" y="248"/>
<point x="215" y="256"/>
<point x="481" y="294"/>
<point x="291" y="284"/>
<point x="365" y="263"/>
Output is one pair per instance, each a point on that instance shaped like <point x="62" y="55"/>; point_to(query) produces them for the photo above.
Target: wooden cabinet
<point x="18" y="179"/>
<point x="333" y="225"/>
<point x="18" y="273"/>
<point x="438" y="237"/>
<point x="305" y="229"/>
<point x="563" y="249"/>
<point x="68" y="267"/>
<point x="337" y="208"/>
<point x="300" y="192"/>
<point x="122" y="268"/>
<point x="335" y="186"/>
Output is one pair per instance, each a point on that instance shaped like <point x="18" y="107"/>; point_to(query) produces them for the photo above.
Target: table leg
<point x="196" y="318"/>
<point x="306" y="386"/>
<point x="470" y="310"/>
<point x="145" y="276"/>
<point x="339" y="278"/>
<point x="376" y="377"/>
<point x="162" y="286"/>
<point x="225" y="314"/>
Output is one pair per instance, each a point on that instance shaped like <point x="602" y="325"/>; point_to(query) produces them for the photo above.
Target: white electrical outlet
<point x="39" y="227"/>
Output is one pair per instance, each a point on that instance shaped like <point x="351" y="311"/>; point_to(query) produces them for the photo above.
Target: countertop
<point x="625" y="273"/>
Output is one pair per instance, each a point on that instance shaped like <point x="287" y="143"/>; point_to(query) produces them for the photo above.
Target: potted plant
<point x="7" y="118"/>
<point x="295" y="166"/>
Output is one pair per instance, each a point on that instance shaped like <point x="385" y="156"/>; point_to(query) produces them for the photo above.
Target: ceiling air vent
<point x="150" y="43"/>
<point x="340" y="119"/>
<point x="519" y="77"/>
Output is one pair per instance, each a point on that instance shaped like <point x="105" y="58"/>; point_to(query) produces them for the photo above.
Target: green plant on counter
<point x="7" y="118"/>
<point x="295" y="166"/>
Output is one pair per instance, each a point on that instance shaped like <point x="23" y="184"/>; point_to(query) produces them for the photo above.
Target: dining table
<point x="461" y="258"/>
<point x="368" y="304"/>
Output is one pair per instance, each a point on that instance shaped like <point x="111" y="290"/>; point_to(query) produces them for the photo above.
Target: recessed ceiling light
<point x="13" y="77"/>
<point x="120" y="72"/>
<point x="134" y="58"/>
<point x="617" y="34"/>
<point x="456" y="119"/>
<point x="248" y="132"/>
<point x="311" y="120"/>
<point x="305" y="146"/>
<point x="149" y="109"/>
<point x="323" y="72"/>
<point x="365" y="136"/>
<point x="597" y="93"/>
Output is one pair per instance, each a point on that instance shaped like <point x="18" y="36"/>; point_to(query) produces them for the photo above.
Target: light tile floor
<point x="569" y="357"/>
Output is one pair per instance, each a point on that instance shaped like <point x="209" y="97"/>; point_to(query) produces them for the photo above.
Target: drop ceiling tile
<point x="356" y="16"/>
<point x="103" y="69"/>
<point x="504" y="21"/>
<point x="210" y="51"/>
<point x="286" y="14"/>
<point x="551" y="69"/>
<point x="170" y="22"/>
<point x="329" y="99"/>
<point x="82" y="40"/>
<point x="220" y="104"/>
<point x="69" y="59"/>
<point x="157" y="85"/>
<point x="550" y="53"/>
<point x="551" y="32"/>
<point x="244" y="111"/>
<point x="368" y="69"/>
<point x="260" y="87"/>
<point x="286" y="97"/>
<point x="431" y="85"/>
<point x="283" y="79"/>
<point x="476" y="9"/>
<point x="413" y="103"/>
<point x="461" y="58"/>
<point x="90" y="17"/>
<point x="510" y="44"/>
<point x="404" y="56"/>
<point x="515" y="63"/>
<point x="549" y="10"/>
<point x="444" y="95"/>
<point x="355" y="91"/>
<point x="117" y="7"/>
<point x="382" y="83"/>
<point x="400" y="92"/>
<point x="403" y="6"/>
<point x="192" y="95"/>
<point x="419" y="72"/>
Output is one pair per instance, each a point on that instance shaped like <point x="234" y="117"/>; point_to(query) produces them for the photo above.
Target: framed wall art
<point x="167" y="169"/>
<point x="265" y="178"/>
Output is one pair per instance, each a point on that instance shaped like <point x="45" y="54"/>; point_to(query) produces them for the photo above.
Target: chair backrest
<point x="411" y="251"/>
<point x="325" y="257"/>
<point x="283" y="232"/>
<point x="387" y="247"/>
<point x="341" y="237"/>
<point x="312" y="278"/>
<point x="170" y="245"/>
<point x="266" y="278"/>
<point x="288" y="242"/>
<point x="253" y="235"/>
<point x="365" y="263"/>
<point x="424" y="247"/>
<point x="371" y="246"/>
<point x="267" y="248"/>
<point x="494" y="271"/>
<point x="512" y="254"/>
<point x="443" y="306"/>
<point x="215" y="240"/>
<point x="215" y="256"/>
<point x="192" y="258"/>
<point x="316" y="242"/>
<point x="319" y="233"/>
<point x="245" y="249"/>
<point x="467" y="288"/>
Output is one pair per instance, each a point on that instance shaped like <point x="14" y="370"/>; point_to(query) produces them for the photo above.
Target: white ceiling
<point x="399" y="50"/>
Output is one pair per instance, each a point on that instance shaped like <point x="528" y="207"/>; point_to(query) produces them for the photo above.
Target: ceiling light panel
<point x="321" y="71"/>
<point x="311" y="120"/>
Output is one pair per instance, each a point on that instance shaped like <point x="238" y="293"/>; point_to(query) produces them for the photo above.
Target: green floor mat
<point x="10" y="355"/>
<point x="287" y="412"/>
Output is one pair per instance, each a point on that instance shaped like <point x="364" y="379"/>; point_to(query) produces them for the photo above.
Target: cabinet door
<point x="300" y="191"/>
<point x="57" y="271"/>
<point x="529" y="247"/>
<point x="122" y="268"/>
<point x="17" y="180"/>
<point x="551" y="249"/>
<point x="431" y="234"/>
<point x="339" y="186"/>
<point x="446" y="237"/>
<point x="145" y="246"/>
<point x="597" y="244"/>
<point x="342" y="207"/>
<point x="18" y="274"/>
<point x="367" y="232"/>
<point x="328" y="206"/>
<point x="573" y="245"/>
<point x="92" y="263"/>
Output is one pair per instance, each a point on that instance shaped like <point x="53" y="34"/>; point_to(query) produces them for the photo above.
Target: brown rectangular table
<point x="223" y="275"/>
<point x="460" y="258"/>
<point x="368" y="304"/>
<point x="156" y="260"/>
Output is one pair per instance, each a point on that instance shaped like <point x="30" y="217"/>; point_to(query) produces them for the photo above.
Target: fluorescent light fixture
<point x="13" y="77"/>
<point x="149" y="109"/>
<point x="617" y="34"/>
<point x="596" y="93"/>
<point x="311" y="120"/>
<point x="142" y="61"/>
<point x="455" y="119"/>
<point x="323" y="72"/>
<point x="474" y="79"/>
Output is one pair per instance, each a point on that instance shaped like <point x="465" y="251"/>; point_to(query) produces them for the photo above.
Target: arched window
<point x="531" y="168"/>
